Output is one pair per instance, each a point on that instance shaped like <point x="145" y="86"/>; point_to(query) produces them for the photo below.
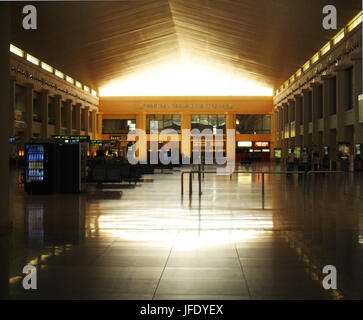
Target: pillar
<point x="5" y="219"/>
<point x="285" y="117"/>
<point x="44" y="112"/>
<point x="298" y="120"/>
<point x="316" y="105"/>
<point x="306" y="110"/>
<point x="68" y="106"/>
<point x="342" y="98"/>
<point x="357" y="69"/>
<point x="185" y="140"/>
<point x="141" y="124"/>
<point x="291" y="119"/>
<point x="94" y="123"/>
<point x="231" y="137"/>
<point x="77" y="118"/>
<point x="86" y="116"/>
<point x="328" y="84"/>
<point x="12" y="107"/>
<point x="29" y="112"/>
<point x="99" y="124"/>
<point x="58" y="114"/>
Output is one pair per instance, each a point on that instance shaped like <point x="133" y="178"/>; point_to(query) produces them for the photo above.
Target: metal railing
<point x="305" y="174"/>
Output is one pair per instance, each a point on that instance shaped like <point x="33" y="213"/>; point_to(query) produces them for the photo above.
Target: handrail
<point x="306" y="173"/>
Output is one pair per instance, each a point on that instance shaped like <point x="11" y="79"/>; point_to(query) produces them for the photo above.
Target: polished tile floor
<point x="149" y="242"/>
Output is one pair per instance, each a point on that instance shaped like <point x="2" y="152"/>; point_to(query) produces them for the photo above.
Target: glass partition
<point x="163" y="121"/>
<point x="118" y="126"/>
<point x="253" y="124"/>
<point x="209" y="121"/>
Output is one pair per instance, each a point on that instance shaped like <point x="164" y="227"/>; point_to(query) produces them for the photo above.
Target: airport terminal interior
<point x="263" y="106"/>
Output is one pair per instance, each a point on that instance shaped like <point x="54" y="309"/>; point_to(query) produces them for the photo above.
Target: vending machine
<point x="40" y="167"/>
<point x="70" y="168"/>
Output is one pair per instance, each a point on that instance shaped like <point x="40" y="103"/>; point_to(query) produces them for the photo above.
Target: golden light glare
<point x="185" y="77"/>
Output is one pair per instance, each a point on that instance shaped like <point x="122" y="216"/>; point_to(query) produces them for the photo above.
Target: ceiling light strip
<point x="21" y="53"/>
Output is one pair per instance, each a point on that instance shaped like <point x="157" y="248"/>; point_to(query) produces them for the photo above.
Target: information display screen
<point x="357" y="149"/>
<point x="277" y="153"/>
<point x="344" y="150"/>
<point x="297" y="152"/>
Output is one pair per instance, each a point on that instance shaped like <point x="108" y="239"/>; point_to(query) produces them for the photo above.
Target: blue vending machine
<point x="40" y="168"/>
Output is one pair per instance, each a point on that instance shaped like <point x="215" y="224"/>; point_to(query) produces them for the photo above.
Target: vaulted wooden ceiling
<point x="95" y="42"/>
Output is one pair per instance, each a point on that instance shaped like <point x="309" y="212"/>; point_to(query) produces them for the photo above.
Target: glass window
<point x="20" y="109"/>
<point x="163" y="121"/>
<point x="51" y="111"/>
<point x="118" y="125"/>
<point x="253" y="124"/>
<point x="209" y="121"/>
<point x="36" y="107"/>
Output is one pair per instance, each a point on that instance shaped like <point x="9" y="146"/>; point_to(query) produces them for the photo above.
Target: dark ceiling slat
<point x="95" y="42"/>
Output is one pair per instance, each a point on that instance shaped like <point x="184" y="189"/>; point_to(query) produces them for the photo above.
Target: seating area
<point x="112" y="171"/>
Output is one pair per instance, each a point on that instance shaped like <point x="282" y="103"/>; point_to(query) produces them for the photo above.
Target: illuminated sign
<point x="123" y="137"/>
<point x="247" y="144"/>
<point x="72" y="139"/>
<point x="277" y="153"/>
<point x="104" y="143"/>
<point x="262" y="144"/>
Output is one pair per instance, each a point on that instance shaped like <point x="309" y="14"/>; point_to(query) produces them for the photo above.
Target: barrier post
<point x="182" y="183"/>
<point x="263" y="191"/>
<point x="200" y="182"/>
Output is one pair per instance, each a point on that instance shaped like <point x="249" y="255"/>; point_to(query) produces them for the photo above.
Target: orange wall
<point x="121" y="106"/>
<point x="131" y="107"/>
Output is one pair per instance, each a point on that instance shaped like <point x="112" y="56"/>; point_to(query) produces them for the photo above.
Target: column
<point x="86" y="120"/>
<point x="94" y="123"/>
<point x="29" y="112"/>
<point x="5" y="219"/>
<point x="328" y="84"/>
<point x="185" y="143"/>
<point x="141" y="124"/>
<point x="58" y="114"/>
<point x="281" y="125"/>
<point x="279" y="120"/>
<point x="285" y="116"/>
<point x="99" y="124"/>
<point x="298" y="120"/>
<point x="291" y="117"/>
<point x="317" y="102"/>
<point x="306" y="108"/>
<point x="342" y="98"/>
<point x="44" y="112"/>
<point x="357" y="82"/>
<point x="78" y="118"/>
<point x="12" y="107"/>
<point x="68" y="106"/>
<point x="231" y="140"/>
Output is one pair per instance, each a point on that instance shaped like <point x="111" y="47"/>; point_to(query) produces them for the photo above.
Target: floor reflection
<point x="147" y="243"/>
